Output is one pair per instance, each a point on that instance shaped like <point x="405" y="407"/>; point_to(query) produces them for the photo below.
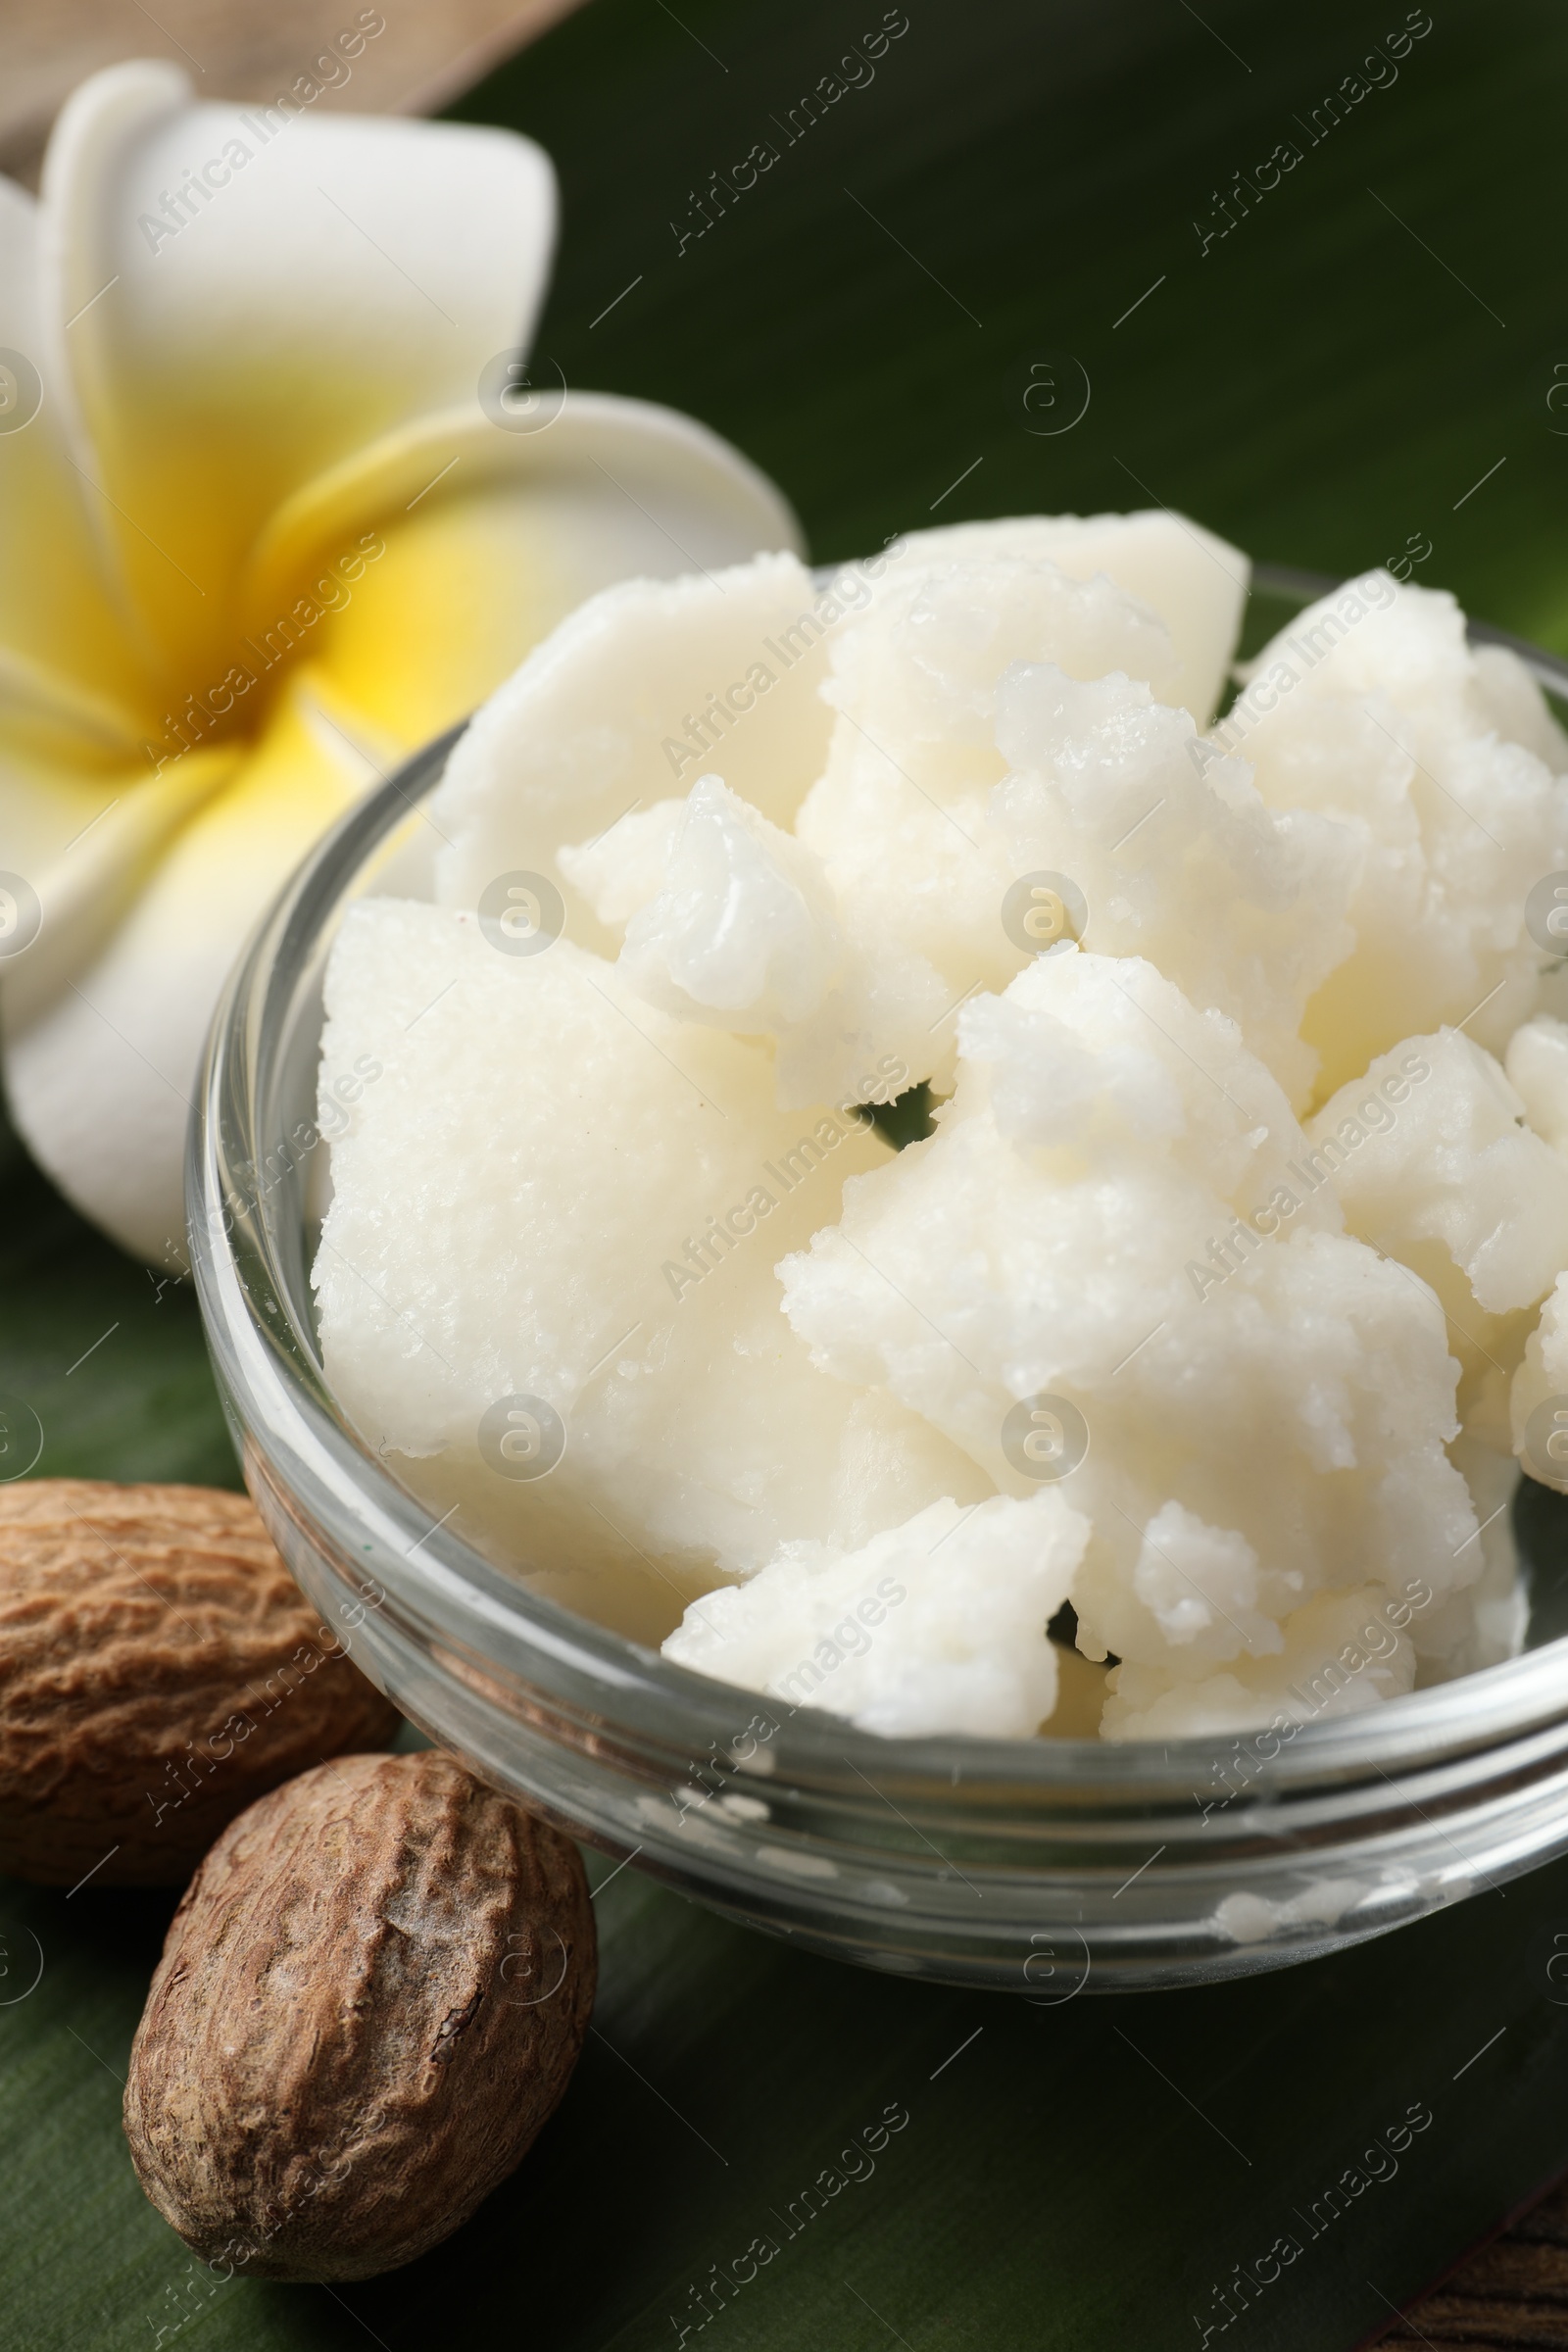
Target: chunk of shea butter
<point x="743" y="934"/>
<point x="1194" y="581"/>
<point x="1177" y="861"/>
<point x="934" y="1626"/>
<point x="1432" y="1162"/>
<point x="1372" y="708"/>
<point x="1536" y="1066"/>
<point x="742" y="925"/>
<point x="915" y="665"/>
<point x="1340" y="1653"/>
<point x="1111" y="1223"/>
<point x="922" y="658"/>
<point x="899" y="818"/>
<point x="1539" y="1395"/>
<point x="632" y="698"/>
<point x="555" y="1193"/>
<point x="1398" y="1158"/>
<point x="621" y="868"/>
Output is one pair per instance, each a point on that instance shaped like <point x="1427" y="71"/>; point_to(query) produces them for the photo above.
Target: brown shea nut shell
<point x="159" y="1669"/>
<point x="370" y="1998"/>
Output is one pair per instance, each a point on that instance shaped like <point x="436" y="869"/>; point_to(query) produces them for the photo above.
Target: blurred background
<point x="239" y="49"/>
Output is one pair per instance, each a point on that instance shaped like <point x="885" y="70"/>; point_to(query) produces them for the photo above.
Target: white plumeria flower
<point x="279" y="505"/>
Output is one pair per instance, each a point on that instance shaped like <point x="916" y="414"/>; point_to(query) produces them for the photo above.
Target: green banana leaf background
<point x="1029" y="258"/>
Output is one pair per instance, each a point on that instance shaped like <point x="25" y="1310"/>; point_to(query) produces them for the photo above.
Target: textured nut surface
<point x="159" y="1670"/>
<point x="370" y="1998"/>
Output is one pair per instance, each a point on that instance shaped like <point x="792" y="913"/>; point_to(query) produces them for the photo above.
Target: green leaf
<point x="101" y="1359"/>
<point x="1323" y="384"/>
<point x="1066" y="2178"/>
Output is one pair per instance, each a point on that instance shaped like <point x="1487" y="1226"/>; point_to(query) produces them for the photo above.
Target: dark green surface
<point x="107" y="1356"/>
<point x="1051" y="2191"/>
<point x="1318" y="386"/>
<point x="1322" y="389"/>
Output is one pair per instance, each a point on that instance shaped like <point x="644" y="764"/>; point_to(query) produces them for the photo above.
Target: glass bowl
<point x="1045" y="1867"/>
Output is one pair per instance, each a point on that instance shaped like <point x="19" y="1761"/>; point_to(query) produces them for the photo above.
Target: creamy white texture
<point x="1202" y="1305"/>
<point x="935" y="1626"/>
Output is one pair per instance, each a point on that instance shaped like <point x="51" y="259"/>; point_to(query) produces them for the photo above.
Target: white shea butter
<point x="1115" y="1214"/>
<point x="934" y="1626"/>
<point x="742" y="931"/>
<point x="1432" y="1146"/>
<point x="1219" y="1282"/>
<point x="1243" y="906"/>
<point x="1536" y="1066"/>
<point x="1445" y="767"/>
<point x="554" y="1193"/>
<point x="623" y="707"/>
<point x="1194" y="581"/>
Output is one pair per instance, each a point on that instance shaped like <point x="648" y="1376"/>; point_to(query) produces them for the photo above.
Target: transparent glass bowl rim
<point x="249" y="1251"/>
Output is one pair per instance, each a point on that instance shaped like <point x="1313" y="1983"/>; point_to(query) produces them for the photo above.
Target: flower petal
<point x="84" y="842"/>
<point x="70" y="678"/>
<point x="253" y="294"/>
<point x="491" y="538"/>
<point x="102" y="1080"/>
<point x="81" y="812"/>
